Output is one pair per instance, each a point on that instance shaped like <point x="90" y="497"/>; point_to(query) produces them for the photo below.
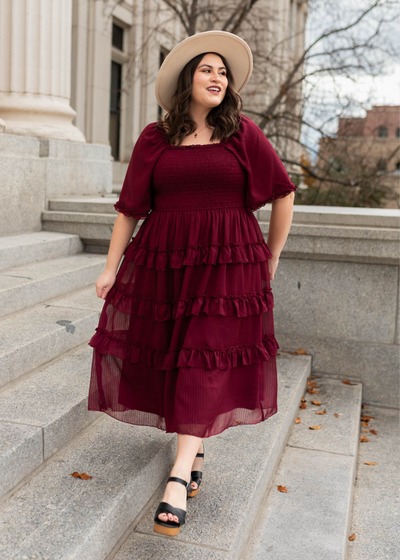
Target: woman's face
<point x="210" y="72"/>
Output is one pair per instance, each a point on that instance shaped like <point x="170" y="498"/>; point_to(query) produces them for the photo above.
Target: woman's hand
<point x="104" y="283"/>
<point x="272" y="266"/>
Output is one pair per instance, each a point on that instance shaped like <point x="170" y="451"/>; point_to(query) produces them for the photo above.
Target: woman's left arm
<point x="279" y="227"/>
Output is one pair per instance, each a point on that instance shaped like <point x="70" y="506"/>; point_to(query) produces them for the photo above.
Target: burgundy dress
<point x="185" y="341"/>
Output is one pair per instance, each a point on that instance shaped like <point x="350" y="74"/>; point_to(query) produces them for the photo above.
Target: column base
<point x="41" y="116"/>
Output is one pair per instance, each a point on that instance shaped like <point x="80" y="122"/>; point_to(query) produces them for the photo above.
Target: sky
<point x="330" y="94"/>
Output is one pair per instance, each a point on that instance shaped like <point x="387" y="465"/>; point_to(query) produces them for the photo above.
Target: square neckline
<point x="193" y="146"/>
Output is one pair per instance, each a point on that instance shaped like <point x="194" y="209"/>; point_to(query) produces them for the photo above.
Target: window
<point x="115" y="108"/>
<point x="117" y="37"/>
<point x="398" y="132"/>
<point x="382" y="132"/>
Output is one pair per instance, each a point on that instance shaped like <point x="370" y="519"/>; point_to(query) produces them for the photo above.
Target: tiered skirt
<point x="185" y="341"/>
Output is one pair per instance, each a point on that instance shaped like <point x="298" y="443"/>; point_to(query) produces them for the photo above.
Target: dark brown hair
<point x="225" y="117"/>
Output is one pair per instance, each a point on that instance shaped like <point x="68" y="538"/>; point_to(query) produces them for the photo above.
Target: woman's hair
<point x="225" y="117"/>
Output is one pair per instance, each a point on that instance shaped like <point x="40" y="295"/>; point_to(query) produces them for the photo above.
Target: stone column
<point x="35" y="69"/>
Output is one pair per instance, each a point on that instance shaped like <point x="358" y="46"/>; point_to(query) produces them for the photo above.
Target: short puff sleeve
<point x="267" y="178"/>
<point x="136" y="197"/>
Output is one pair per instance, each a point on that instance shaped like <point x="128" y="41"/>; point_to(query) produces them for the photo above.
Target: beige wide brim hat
<point x="232" y="47"/>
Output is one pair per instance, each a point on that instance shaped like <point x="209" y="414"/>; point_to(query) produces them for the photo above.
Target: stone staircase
<point x="90" y="217"/>
<point x="49" y="312"/>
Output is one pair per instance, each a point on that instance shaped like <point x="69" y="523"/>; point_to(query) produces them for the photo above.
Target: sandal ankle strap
<point x="177" y="479"/>
<point x="201" y="454"/>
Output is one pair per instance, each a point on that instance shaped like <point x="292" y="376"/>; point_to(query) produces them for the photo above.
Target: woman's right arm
<point x="123" y="229"/>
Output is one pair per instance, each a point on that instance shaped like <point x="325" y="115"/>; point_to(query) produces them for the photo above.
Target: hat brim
<point x="232" y="47"/>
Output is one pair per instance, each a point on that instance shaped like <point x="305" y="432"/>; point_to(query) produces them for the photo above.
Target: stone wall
<point x="33" y="169"/>
<point x="336" y="294"/>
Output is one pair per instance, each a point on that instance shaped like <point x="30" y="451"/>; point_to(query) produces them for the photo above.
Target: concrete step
<point x="339" y="216"/>
<point x="56" y="516"/>
<point x="318" y="469"/>
<point x="375" y="514"/>
<point x="94" y="229"/>
<point x="36" y="246"/>
<point x="237" y="471"/>
<point x="42" y="413"/>
<point x="90" y="217"/>
<point x="102" y="204"/>
<point x="32" y="337"/>
<point x="29" y="284"/>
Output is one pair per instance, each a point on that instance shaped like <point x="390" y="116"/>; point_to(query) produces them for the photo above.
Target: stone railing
<point x="336" y="294"/>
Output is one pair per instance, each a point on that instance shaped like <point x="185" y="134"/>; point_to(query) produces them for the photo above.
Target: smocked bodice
<point x="195" y="177"/>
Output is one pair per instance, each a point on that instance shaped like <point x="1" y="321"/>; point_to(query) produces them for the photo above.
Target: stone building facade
<point x="84" y="70"/>
<point x="371" y="145"/>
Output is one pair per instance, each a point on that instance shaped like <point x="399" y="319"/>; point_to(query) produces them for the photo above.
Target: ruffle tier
<point x="240" y="306"/>
<point x="196" y="357"/>
<point x="195" y="255"/>
<point x="175" y="239"/>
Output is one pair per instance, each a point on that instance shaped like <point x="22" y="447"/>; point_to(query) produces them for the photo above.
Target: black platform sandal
<point x="196" y="477"/>
<point x="170" y="528"/>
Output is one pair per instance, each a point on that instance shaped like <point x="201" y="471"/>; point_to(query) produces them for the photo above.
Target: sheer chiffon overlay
<point x="185" y="341"/>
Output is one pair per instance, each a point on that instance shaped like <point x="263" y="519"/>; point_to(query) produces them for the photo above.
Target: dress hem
<point x="109" y="413"/>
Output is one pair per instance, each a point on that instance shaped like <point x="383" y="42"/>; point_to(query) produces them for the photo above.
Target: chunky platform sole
<point x="170" y="528"/>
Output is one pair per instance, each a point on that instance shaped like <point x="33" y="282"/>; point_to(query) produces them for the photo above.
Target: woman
<point x="185" y="341"/>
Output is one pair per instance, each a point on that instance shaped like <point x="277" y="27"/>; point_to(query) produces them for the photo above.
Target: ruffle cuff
<point x="278" y="194"/>
<point x="121" y="207"/>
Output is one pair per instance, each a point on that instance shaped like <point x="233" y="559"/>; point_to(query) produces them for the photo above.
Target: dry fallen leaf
<point x="337" y="415"/>
<point x="347" y="382"/>
<point x="83" y="476"/>
<point x="303" y="406"/>
<point x="297" y="421"/>
<point x="352" y="537"/>
<point x="370" y="463"/>
<point x="373" y="432"/>
<point x="312" y="383"/>
<point x="315" y="427"/>
<point x="282" y="488"/>
<point x="301" y="351"/>
<point x="366" y="418"/>
<point x="364" y="438"/>
<point x="312" y="391"/>
<point x="303" y="399"/>
<point x="317" y="403"/>
<point x="321" y="411"/>
<point x="365" y="424"/>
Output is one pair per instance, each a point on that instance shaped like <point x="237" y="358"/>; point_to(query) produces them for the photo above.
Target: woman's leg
<point x="175" y="493"/>
<point x="197" y="463"/>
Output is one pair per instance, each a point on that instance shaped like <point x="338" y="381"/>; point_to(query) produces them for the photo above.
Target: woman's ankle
<point x="181" y="471"/>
